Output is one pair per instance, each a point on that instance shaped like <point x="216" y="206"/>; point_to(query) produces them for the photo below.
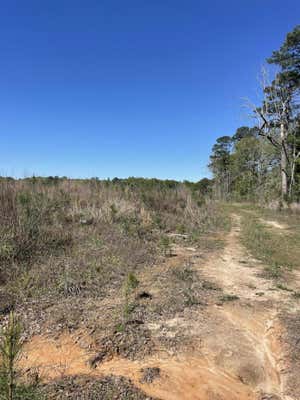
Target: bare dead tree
<point x="274" y="119"/>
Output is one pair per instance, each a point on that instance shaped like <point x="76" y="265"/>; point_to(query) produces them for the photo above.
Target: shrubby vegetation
<point x="31" y="224"/>
<point x="66" y="245"/>
<point x="73" y="236"/>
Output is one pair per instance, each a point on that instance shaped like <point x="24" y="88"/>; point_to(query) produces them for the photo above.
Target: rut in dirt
<point x="249" y="346"/>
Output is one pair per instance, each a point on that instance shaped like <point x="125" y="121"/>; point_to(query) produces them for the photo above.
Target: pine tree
<point x="10" y="348"/>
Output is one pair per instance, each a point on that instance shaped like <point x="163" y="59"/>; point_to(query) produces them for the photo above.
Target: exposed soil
<point x="91" y="388"/>
<point x="212" y="326"/>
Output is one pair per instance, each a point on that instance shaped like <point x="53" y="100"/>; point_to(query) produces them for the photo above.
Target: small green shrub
<point x="228" y="297"/>
<point x="184" y="274"/>
<point x="165" y="245"/>
<point x="283" y="287"/>
<point x="273" y="271"/>
<point x="10" y="351"/>
<point x="130" y="284"/>
<point x="113" y="212"/>
<point x="190" y="299"/>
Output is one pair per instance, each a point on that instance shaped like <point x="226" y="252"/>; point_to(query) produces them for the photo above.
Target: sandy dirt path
<point x="240" y="353"/>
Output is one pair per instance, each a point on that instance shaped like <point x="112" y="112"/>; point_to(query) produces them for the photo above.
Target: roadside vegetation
<point x="67" y="246"/>
<point x="272" y="238"/>
<point x="71" y="237"/>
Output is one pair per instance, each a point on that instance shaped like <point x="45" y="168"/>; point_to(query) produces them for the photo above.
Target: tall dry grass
<point x="72" y="237"/>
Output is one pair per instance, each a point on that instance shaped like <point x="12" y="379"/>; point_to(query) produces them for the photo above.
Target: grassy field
<point x="71" y="237"/>
<point x="272" y="237"/>
<point x="68" y="247"/>
<point x="111" y="258"/>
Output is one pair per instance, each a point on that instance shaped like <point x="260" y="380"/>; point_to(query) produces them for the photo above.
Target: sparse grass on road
<point x="278" y="249"/>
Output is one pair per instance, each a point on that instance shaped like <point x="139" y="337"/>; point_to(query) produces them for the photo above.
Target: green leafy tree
<point x="220" y="165"/>
<point x="244" y="132"/>
<point x="255" y="159"/>
<point x="246" y="168"/>
<point x="288" y="59"/>
<point x="279" y="114"/>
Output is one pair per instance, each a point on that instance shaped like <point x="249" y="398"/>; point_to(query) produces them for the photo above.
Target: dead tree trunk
<point x="283" y="163"/>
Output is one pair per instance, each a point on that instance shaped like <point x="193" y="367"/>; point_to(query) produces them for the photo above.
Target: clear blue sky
<point x="129" y="87"/>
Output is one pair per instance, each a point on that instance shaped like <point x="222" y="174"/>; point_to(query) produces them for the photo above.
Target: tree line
<point x="263" y="162"/>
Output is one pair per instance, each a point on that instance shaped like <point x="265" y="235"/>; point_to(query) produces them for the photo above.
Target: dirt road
<point x="238" y="344"/>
